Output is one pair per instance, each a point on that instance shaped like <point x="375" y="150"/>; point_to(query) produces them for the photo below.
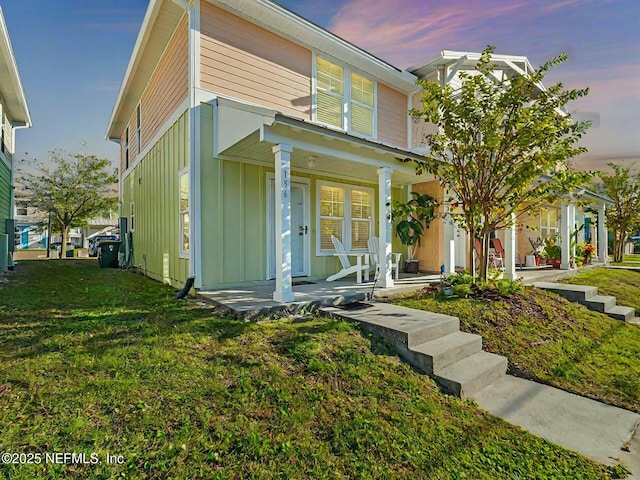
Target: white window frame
<point x="3" y="148"/>
<point x="139" y="127"/>
<point x="545" y="223"/>
<point x="132" y="225"/>
<point x="184" y="253"/>
<point x="127" y="157"/>
<point x="346" y="98"/>
<point x="346" y="219"/>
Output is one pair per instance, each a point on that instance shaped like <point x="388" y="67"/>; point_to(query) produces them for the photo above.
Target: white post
<point x="565" y="235"/>
<point x="284" y="291"/>
<point x="510" y="250"/>
<point x="449" y="247"/>
<point x="572" y="229"/>
<point x="602" y="236"/>
<point x="384" y="226"/>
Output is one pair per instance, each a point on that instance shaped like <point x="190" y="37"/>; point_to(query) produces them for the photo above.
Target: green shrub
<point x="507" y="286"/>
<point x="462" y="290"/>
<point x="462" y="278"/>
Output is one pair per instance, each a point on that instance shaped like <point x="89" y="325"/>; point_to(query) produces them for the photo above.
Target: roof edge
<point x="23" y="120"/>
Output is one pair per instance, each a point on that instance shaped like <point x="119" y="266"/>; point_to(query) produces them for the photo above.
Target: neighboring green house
<point x="14" y="113"/>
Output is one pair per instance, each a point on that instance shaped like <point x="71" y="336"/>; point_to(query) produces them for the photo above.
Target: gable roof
<point x="11" y="89"/>
<point x="163" y="16"/>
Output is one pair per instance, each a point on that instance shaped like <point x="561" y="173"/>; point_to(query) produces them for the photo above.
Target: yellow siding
<point x="430" y="252"/>
<point x="392" y="116"/>
<point x="167" y="88"/>
<point x="243" y="61"/>
<point x="153" y="187"/>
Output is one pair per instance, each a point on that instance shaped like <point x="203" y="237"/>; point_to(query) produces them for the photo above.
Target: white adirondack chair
<point x="362" y="263"/>
<point x="374" y="252"/>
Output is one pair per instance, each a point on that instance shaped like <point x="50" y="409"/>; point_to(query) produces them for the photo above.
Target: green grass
<point x="105" y="361"/>
<point x="622" y="284"/>
<point x="551" y="340"/>
<point x="629" y="261"/>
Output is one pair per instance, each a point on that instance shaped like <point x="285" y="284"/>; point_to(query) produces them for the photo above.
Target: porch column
<point x="510" y="250"/>
<point x="384" y="226"/>
<point x="572" y="229"/>
<point x="565" y="235"/>
<point x="449" y="247"/>
<point x="283" y="292"/>
<point x="603" y="240"/>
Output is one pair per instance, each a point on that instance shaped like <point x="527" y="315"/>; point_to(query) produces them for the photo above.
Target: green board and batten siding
<point x="234" y="215"/>
<point x="5" y="196"/>
<point x="153" y="187"/>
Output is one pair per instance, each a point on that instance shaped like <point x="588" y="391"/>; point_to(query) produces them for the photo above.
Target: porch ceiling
<point x="316" y="150"/>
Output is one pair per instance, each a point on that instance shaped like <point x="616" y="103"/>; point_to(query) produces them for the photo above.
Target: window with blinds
<point x="361" y="105"/>
<point x="347" y="213"/>
<point x="344" y="96"/>
<point x="548" y="222"/>
<point x="330" y="92"/>
<point x="361" y="218"/>
<point x="331" y="215"/>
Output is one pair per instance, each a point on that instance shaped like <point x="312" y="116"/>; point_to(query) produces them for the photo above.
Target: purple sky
<point x="72" y="56"/>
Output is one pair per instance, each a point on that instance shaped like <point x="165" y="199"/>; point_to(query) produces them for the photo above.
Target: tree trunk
<point x="618" y="247"/>
<point x="63" y="246"/>
<point x="484" y="258"/>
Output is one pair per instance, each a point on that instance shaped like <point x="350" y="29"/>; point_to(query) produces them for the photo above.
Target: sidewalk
<point x="594" y="429"/>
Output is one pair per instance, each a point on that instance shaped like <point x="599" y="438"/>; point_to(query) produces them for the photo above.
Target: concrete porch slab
<point x="253" y="301"/>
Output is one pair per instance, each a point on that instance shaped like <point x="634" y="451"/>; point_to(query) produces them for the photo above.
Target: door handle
<point x="306" y="230"/>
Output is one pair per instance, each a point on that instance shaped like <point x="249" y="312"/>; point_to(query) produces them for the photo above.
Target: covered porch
<point x="300" y="159"/>
<point x="252" y="302"/>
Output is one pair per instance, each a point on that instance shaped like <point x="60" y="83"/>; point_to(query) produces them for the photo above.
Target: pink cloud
<point x="406" y="32"/>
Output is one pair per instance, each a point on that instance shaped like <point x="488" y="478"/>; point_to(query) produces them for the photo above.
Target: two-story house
<point x="14" y="113"/>
<point x="249" y="136"/>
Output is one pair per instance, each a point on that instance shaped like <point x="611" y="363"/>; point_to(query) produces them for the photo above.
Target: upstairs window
<point x="344" y="99"/>
<point x="138" y="130"/>
<point x="2" y="147"/>
<point x="126" y="148"/>
<point x="361" y="105"/>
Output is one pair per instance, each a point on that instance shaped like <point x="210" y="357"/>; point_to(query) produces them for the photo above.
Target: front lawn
<point x="622" y="284"/>
<point x="548" y="339"/>
<point x="107" y="362"/>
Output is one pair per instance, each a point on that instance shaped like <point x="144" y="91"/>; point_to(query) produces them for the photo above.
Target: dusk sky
<point x="72" y="55"/>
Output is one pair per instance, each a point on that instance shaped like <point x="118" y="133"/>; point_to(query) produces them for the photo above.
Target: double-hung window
<point x="138" y="128"/>
<point x="548" y="223"/>
<point x="185" y="241"/>
<point x="344" y="99"/>
<point x="346" y="212"/>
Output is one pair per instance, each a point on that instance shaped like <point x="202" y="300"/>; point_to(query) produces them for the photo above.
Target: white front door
<point x="300" y="234"/>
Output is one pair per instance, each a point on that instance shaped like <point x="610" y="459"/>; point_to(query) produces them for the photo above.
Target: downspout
<point x="193" y="13"/>
<point x="12" y="187"/>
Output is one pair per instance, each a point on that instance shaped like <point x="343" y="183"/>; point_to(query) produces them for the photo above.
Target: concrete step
<point x="634" y="321"/>
<point x="600" y="303"/>
<point x="573" y="293"/>
<point x="437" y="354"/>
<point x="405" y="327"/>
<point x="620" y="312"/>
<point x="472" y="374"/>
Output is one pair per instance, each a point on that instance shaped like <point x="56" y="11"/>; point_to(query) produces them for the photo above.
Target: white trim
<point x="347" y="70"/>
<point x="181" y="252"/>
<point x="270" y="194"/>
<point x="346" y="218"/>
<point x="14" y="74"/>
<point x="283" y="292"/>
<point x="183" y="107"/>
<point x="132" y="211"/>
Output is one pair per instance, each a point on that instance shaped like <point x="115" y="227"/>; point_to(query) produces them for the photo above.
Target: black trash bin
<point x="108" y="253"/>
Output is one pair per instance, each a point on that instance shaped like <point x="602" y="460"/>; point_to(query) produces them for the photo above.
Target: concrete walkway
<point x="432" y="343"/>
<point x="591" y="428"/>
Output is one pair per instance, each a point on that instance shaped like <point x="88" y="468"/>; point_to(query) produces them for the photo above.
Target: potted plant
<point x="416" y="214"/>
<point x="589" y="252"/>
<point x="553" y="252"/>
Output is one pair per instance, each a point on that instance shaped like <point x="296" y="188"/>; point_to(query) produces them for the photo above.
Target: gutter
<point x="195" y="264"/>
